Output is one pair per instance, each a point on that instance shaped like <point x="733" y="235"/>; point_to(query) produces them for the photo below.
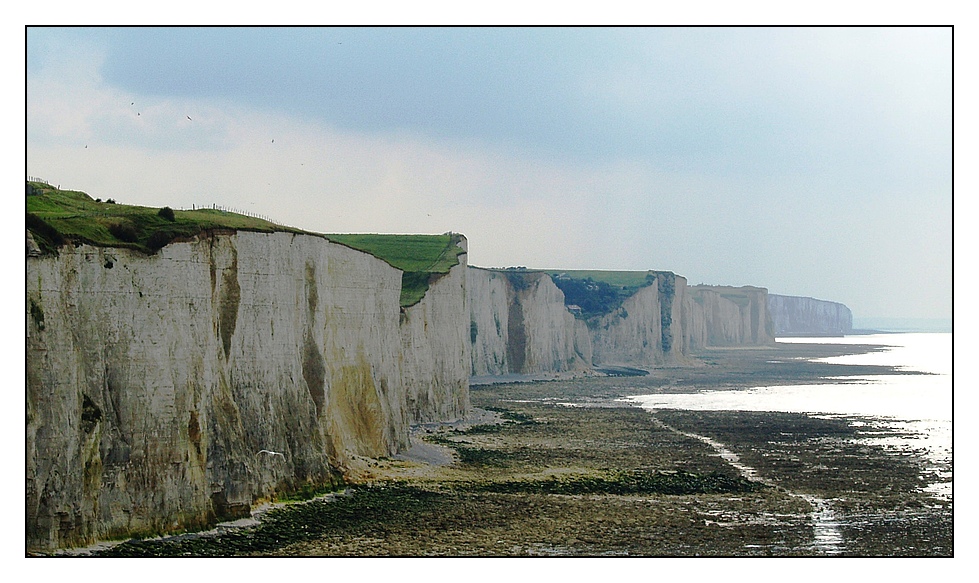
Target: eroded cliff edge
<point x="154" y="381"/>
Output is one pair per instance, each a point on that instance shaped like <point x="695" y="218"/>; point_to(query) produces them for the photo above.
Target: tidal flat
<point x="567" y="468"/>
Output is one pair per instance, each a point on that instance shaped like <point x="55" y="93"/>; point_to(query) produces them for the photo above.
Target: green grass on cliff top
<point x="422" y="258"/>
<point x="624" y="279"/>
<point x="55" y="217"/>
<point x="409" y="253"/>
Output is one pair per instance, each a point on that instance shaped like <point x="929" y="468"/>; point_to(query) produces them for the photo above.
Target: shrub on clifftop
<point x="124" y="232"/>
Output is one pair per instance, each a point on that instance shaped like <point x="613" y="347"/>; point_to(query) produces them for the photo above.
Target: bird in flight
<point x="272" y="453"/>
<point x="188" y="117"/>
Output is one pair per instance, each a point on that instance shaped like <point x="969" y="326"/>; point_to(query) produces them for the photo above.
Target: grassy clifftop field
<point x="56" y="217"/>
<point x="422" y="258"/>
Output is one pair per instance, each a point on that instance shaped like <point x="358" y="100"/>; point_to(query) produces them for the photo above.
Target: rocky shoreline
<point x="567" y="468"/>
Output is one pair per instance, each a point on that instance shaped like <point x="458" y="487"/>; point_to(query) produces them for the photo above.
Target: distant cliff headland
<point x="184" y="365"/>
<point x="800" y="316"/>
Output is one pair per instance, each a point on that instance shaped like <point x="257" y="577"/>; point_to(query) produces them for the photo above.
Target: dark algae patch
<point x="875" y="492"/>
<point x="362" y="511"/>
<point x="819" y="456"/>
<point x="635" y="482"/>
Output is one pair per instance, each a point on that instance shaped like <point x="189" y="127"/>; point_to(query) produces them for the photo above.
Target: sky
<point x="809" y="161"/>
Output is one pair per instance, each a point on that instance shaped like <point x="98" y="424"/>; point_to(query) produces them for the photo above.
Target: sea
<point x="918" y="403"/>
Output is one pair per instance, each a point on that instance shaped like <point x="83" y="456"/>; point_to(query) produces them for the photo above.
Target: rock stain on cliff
<point x="356" y="410"/>
<point x="666" y="284"/>
<point x="228" y="303"/>
<point x="516" y="348"/>
<point x="314" y="369"/>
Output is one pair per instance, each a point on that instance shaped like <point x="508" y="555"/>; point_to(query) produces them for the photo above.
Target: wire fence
<point x="193" y="207"/>
<point x="225" y="209"/>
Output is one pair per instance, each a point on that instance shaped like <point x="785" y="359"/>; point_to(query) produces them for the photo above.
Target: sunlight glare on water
<point x="909" y="397"/>
<point x="916" y="403"/>
<point x="929" y="353"/>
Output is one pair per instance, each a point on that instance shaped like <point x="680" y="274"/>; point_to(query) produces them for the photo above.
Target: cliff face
<point x="154" y="381"/>
<point x="647" y="330"/>
<point x="729" y="316"/>
<point x="436" y="350"/>
<point x="519" y="324"/>
<point x="489" y="303"/>
<point x="802" y="316"/>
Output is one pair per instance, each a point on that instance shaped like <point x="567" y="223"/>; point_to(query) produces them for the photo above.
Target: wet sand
<point x="566" y="468"/>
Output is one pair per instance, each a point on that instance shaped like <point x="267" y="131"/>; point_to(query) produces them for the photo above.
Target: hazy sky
<point x="810" y="161"/>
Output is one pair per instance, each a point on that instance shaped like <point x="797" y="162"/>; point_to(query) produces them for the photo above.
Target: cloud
<point x="771" y="157"/>
<point x="722" y="101"/>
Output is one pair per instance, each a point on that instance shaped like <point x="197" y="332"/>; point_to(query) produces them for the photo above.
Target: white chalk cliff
<point x="729" y="316"/>
<point x="153" y="382"/>
<point x="521" y="324"/>
<point x="804" y="316"/>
